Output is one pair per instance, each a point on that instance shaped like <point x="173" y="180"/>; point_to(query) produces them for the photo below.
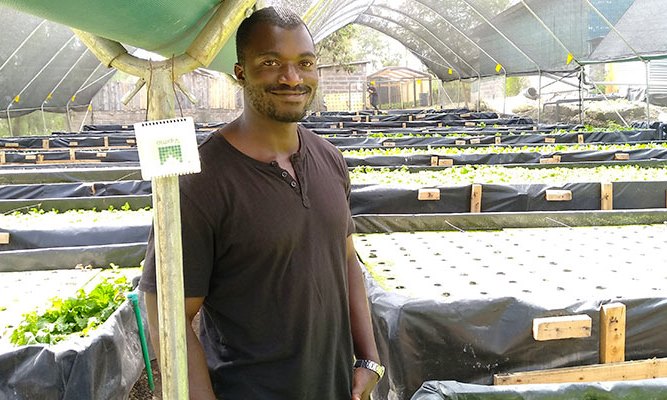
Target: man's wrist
<point x="371" y="365"/>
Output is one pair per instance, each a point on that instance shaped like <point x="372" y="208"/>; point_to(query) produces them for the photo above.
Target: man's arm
<point x="198" y="377"/>
<point x="362" y="330"/>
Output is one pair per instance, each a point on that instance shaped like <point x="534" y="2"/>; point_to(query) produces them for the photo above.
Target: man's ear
<point x="239" y="73"/>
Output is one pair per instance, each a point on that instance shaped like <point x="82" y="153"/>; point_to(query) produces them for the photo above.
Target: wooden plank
<point x="410" y="117"/>
<point x="498" y="140"/>
<point x="612" y="333"/>
<point x="563" y="327"/>
<point x="45" y="143"/>
<point x="445" y="162"/>
<point x="460" y="142"/>
<point x="405" y="125"/>
<point x="30" y="157"/>
<point x="475" y="141"/>
<point x="340" y="124"/>
<point x="558" y="195"/>
<point x="11" y="144"/>
<point x="470" y="123"/>
<point x="101" y="155"/>
<point x="439" y="124"/>
<point x="606" y="196"/>
<point x="476" y="198"/>
<point x="465" y="115"/>
<point x="333" y="126"/>
<point x="106" y="141"/>
<point x="388" y="143"/>
<point x="3" y="158"/>
<point x="622" y="156"/>
<point x="73" y="143"/>
<point x="428" y="194"/>
<point x="72" y="155"/>
<point x="625" y="371"/>
<point x="549" y="160"/>
<point x="549" y="140"/>
<point x="131" y="141"/>
<point x="580" y="138"/>
<point x="434" y="161"/>
<point x="4" y="237"/>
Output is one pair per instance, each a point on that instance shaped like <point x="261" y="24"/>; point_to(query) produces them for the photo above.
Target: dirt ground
<point x="141" y="389"/>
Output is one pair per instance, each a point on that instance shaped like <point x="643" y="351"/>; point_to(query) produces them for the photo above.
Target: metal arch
<point x="83" y="54"/>
<point x="22" y="44"/>
<point x="646" y="61"/>
<point x="474" y="44"/>
<point x="36" y="76"/>
<point x="461" y="33"/>
<point x="479" y="76"/>
<point x="85" y="85"/>
<point x="537" y="17"/>
<point x="517" y="48"/>
<point x="349" y="12"/>
<point x="448" y="64"/>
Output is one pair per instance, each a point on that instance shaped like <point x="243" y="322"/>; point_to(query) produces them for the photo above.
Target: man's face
<point x="279" y="75"/>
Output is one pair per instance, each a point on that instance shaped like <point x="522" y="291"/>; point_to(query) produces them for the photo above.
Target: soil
<point x="141" y="389"/>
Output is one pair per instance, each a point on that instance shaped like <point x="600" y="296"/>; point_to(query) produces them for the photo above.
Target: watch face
<point x="371" y="365"/>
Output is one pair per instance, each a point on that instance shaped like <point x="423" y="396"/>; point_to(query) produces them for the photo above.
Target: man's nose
<point x="289" y="75"/>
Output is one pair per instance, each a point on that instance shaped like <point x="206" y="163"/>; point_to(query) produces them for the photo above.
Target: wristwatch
<point x="372" y="365"/>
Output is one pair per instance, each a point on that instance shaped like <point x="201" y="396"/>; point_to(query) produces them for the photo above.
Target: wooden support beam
<point x="612" y="333"/>
<point x="622" y="156"/>
<point x="606" y="196"/>
<point x="4" y="237"/>
<point x="3" y="158"/>
<point x="428" y="194"/>
<point x="445" y="162"/>
<point x="563" y="327"/>
<point x="498" y="139"/>
<point x="549" y="140"/>
<point x="580" y="138"/>
<point x="625" y="371"/>
<point x="476" y="198"/>
<point x="460" y="142"/>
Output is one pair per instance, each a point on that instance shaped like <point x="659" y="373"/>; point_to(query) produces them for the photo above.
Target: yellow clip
<point x="498" y="67"/>
<point x="49" y="96"/>
<point x="450" y="71"/>
<point x="570" y="57"/>
<point x="90" y="107"/>
<point x="73" y="98"/>
<point x="17" y="98"/>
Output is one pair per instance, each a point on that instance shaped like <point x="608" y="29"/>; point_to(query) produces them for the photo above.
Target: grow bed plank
<point x="24" y="292"/>
<point x="554" y="267"/>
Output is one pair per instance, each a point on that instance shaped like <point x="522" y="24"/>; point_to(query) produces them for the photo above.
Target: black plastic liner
<point x="103" y="366"/>
<point x="384" y="199"/>
<point x="49" y="174"/>
<point x="85" y="189"/>
<point x="98" y="256"/>
<point x="630" y="390"/>
<point x="75" y="235"/>
<point x="468" y="341"/>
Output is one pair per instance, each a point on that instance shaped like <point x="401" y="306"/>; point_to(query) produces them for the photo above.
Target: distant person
<point x="268" y="256"/>
<point x="373" y="96"/>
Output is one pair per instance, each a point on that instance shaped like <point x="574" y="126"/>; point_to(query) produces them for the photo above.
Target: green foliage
<point x="513" y="85"/>
<point x="337" y="48"/>
<point x="79" y="314"/>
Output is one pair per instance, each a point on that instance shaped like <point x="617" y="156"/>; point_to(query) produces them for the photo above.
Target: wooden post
<point x="476" y="198"/>
<point x="160" y="77"/>
<point x="612" y="333"/>
<point x="606" y="196"/>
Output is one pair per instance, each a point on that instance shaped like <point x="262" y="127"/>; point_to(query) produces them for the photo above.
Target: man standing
<point x="373" y="96"/>
<point x="268" y="256"/>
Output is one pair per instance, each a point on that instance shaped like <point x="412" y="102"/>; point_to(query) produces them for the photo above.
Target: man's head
<point x="274" y="16"/>
<point x="276" y="65"/>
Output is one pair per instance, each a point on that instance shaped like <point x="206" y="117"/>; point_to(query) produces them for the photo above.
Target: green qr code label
<point x="167" y="152"/>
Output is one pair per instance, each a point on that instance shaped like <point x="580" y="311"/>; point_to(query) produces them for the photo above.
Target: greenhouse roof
<point x="43" y="65"/>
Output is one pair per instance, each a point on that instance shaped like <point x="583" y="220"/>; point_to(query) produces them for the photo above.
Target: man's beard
<point x="260" y="101"/>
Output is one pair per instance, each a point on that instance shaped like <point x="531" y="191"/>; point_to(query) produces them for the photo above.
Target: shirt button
<point x="293" y="184"/>
<point x="284" y="174"/>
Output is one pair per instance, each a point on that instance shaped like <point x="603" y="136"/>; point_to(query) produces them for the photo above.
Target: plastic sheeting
<point x="384" y="199"/>
<point x="631" y="390"/>
<point x="424" y="339"/>
<point x="103" y="366"/>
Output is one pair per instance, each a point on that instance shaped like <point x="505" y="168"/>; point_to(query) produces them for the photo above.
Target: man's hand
<point x="363" y="382"/>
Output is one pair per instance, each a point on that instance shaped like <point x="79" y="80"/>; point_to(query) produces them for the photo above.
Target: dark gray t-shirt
<point x="267" y="251"/>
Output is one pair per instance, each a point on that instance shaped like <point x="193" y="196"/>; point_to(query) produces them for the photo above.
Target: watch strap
<point x="371" y="365"/>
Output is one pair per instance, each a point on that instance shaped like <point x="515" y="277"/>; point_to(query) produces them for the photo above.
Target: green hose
<point x="142" y="338"/>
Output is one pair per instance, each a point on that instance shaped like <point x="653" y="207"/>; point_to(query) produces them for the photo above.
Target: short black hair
<point x="274" y="16"/>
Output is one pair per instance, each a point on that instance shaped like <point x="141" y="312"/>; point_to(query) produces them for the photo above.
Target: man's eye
<point x="270" y="63"/>
<point x="307" y="64"/>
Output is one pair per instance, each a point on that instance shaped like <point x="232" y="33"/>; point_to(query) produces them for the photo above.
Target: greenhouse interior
<point x="508" y="187"/>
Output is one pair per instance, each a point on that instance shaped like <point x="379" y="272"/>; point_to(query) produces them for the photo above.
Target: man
<point x="267" y="249"/>
<point x="373" y="96"/>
